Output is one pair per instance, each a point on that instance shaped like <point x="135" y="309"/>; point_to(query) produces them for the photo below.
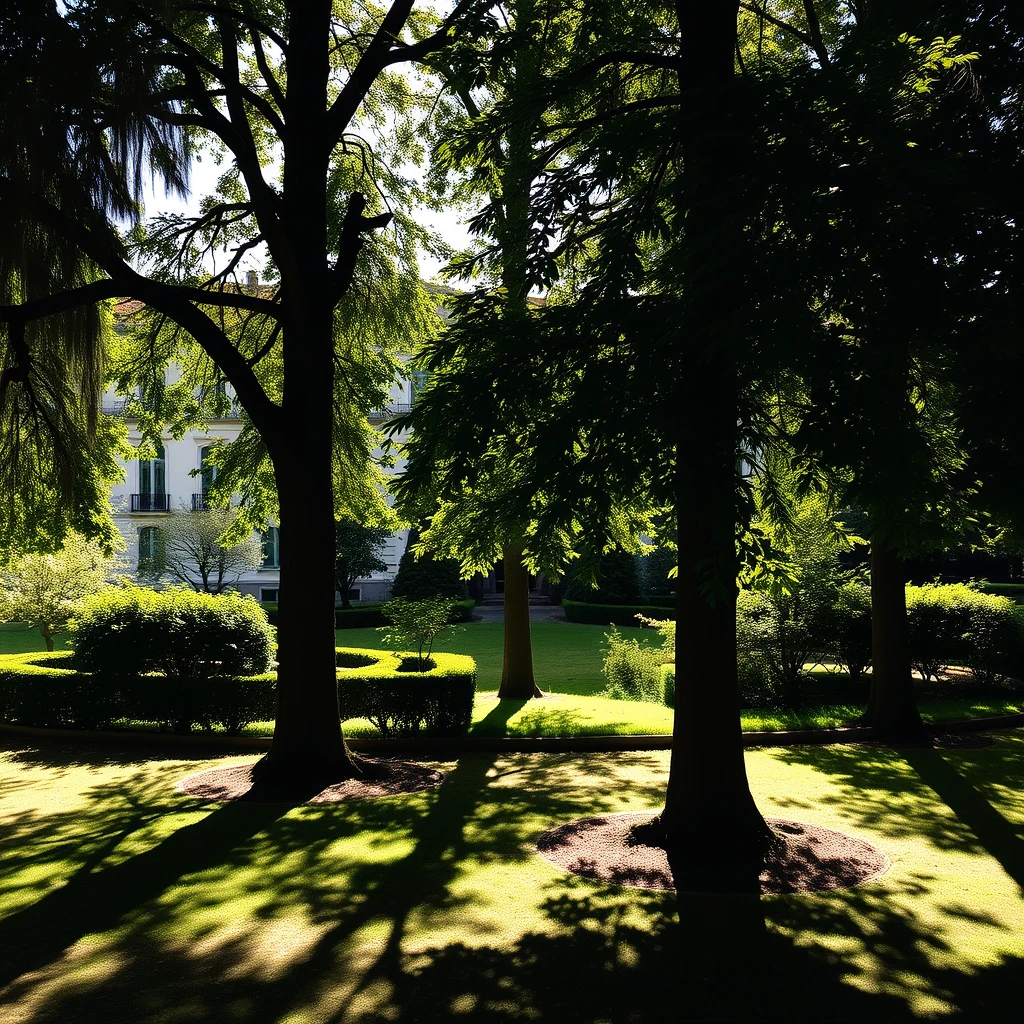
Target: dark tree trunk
<point x="517" y="680"/>
<point x="892" y="704"/>
<point x="710" y="821"/>
<point x="307" y="746"/>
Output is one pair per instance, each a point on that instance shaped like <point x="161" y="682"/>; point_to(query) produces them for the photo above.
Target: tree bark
<point x="517" y="682"/>
<point x="892" y="704"/>
<point x="710" y="821"/>
<point x="307" y="746"/>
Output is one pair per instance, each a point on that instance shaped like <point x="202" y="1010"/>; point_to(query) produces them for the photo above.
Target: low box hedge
<point x="363" y="615"/>
<point x="47" y="690"/>
<point x="438" y="702"/>
<point x="617" y="614"/>
<point x="42" y="689"/>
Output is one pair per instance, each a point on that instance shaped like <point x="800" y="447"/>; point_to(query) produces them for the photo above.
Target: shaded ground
<point x="123" y="900"/>
<point x="380" y="777"/>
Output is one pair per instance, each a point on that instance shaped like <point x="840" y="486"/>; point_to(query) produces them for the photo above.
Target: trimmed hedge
<point x="359" y="616"/>
<point x="48" y="690"/>
<point x="438" y="702"/>
<point x="613" y="614"/>
<point x="42" y="689"/>
<point x="955" y="624"/>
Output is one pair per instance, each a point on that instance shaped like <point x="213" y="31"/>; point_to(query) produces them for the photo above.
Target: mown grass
<point x="123" y="900"/>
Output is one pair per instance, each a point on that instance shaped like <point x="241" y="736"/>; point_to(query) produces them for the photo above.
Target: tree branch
<point x="176" y="302"/>
<point x="350" y="242"/>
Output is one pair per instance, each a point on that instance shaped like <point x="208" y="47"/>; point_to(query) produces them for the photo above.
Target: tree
<point x="356" y="554"/>
<point x="193" y="552"/>
<point x="496" y="139"/>
<point x="107" y="92"/>
<point x="46" y="589"/>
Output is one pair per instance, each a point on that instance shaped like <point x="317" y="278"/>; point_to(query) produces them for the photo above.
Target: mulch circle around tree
<point x="808" y="858"/>
<point x="380" y="777"/>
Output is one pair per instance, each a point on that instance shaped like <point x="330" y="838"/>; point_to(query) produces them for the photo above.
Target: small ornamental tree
<point x="415" y="624"/>
<point x="192" y="552"/>
<point x="46" y="590"/>
<point x="357" y="554"/>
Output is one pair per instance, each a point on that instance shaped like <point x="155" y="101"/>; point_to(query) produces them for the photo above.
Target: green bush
<point x="633" y="672"/>
<point x="131" y="630"/>
<point x="270" y="607"/>
<point x="47" y="690"/>
<point x="608" y="614"/>
<point x="956" y="624"/>
<point x="773" y="643"/>
<point x="438" y="702"/>
<point x="668" y="684"/>
<point x="844" y="629"/>
<point x="426" y="576"/>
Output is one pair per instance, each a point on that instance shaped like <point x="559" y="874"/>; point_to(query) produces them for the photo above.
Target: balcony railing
<point x="150" y="503"/>
<point x="130" y="408"/>
<point x="390" y="411"/>
<point x="200" y="503"/>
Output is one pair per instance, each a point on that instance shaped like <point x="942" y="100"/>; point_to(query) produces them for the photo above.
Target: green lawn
<point x="124" y="901"/>
<point x="567" y="657"/>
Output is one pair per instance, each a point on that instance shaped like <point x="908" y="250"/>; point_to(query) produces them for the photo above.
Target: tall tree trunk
<point x="307" y="744"/>
<point x="710" y="820"/>
<point x="515" y="181"/>
<point x="892" y="704"/>
<point x="517" y="680"/>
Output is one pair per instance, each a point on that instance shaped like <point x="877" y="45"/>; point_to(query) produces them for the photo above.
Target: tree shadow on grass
<point x="874" y="782"/>
<point x="142" y="876"/>
<point x="364" y="912"/>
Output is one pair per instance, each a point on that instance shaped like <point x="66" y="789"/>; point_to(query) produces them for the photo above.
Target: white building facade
<point x="178" y="478"/>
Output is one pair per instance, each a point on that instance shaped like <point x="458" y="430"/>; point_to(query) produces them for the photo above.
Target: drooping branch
<point x="178" y="303"/>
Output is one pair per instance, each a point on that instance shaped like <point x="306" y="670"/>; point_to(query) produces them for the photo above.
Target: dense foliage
<point x="46" y="590"/>
<point x="130" y="631"/>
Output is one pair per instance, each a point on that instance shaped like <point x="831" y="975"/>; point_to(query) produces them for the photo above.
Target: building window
<point x="207" y="469"/>
<point x="419" y="381"/>
<point x="268" y="594"/>
<point x="152" y="496"/>
<point x="150" y="549"/>
<point x="271" y="548"/>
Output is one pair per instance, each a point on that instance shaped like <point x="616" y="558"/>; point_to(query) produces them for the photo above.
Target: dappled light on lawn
<point x="119" y="891"/>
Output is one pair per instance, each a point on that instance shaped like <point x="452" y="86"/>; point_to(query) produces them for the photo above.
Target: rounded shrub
<point x="956" y="624"/>
<point x="130" y="631"/>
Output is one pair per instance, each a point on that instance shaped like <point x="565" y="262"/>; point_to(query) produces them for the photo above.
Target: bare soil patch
<point x="380" y="777"/>
<point x="807" y="858"/>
